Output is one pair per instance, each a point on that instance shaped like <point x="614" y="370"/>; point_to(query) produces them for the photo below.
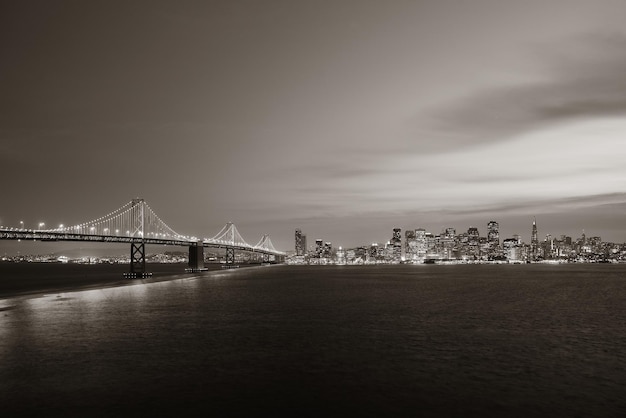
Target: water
<point x="523" y="340"/>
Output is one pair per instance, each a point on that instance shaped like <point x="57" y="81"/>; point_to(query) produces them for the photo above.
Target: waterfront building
<point x="493" y="233"/>
<point x="319" y="248"/>
<point x="513" y="250"/>
<point x="350" y="256"/>
<point x="327" y="251"/>
<point x="432" y="246"/>
<point x="548" y="248"/>
<point x="410" y="245"/>
<point x="493" y="240"/>
<point x="534" y="242"/>
<point x="421" y="244"/>
<point x="448" y="243"/>
<point x="473" y="243"/>
<point x="300" y="243"/>
<point x="372" y="253"/>
<point x="341" y="256"/>
<point x="396" y="245"/>
<point x="360" y="254"/>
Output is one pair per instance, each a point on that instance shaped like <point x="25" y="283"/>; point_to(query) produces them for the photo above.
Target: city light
<point x="417" y="246"/>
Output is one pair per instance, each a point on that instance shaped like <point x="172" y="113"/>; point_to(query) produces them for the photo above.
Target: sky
<point x="343" y="118"/>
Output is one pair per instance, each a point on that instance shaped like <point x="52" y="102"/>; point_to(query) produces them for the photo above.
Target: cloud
<point x="585" y="79"/>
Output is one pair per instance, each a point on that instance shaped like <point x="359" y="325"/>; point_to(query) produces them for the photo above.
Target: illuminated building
<point x="493" y="233"/>
<point x="300" y="243"/>
<point x="396" y="245"/>
<point x="376" y="253"/>
<point x="432" y="245"/>
<point x="341" y="256"/>
<point x="410" y="245"/>
<point x="421" y="243"/>
<point x="319" y="248"/>
<point x="327" y="250"/>
<point x="534" y="242"/>
<point x="512" y="250"/>
<point x="473" y="241"/>
<point x="448" y="243"/>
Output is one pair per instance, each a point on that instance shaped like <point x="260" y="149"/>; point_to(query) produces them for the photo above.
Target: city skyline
<point x="491" y="233"/>
<point x="344" y="119"/>
<point x="451" y="246"/>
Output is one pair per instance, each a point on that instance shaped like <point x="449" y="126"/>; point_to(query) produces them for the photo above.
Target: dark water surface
<point x="490" y="340"/>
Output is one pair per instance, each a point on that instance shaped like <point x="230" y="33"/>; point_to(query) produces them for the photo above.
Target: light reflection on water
<point x="474" y="340"/>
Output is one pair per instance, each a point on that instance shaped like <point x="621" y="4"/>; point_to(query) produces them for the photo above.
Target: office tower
<point x="396" y="244"/>
<point x="328" y="250"/>
<point x="534" y="242"/>
<point x="512" y="249"/>
<point x="410" y="245"/>
<point x="473" y="241"/>
<point x="319" y="247"/>
<point x="300" y="245"/>
<point x="373" y="253"/>
<point x="493" y="233"/>
<point x="448" y="242"/>
<point x="421" y="243"/>
<point x="432" y="245"/>
<point x="473" y="235"/>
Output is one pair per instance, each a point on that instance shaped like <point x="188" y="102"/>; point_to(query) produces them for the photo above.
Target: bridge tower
<point x="230" y="256"/>
<point x="138" y="248"/>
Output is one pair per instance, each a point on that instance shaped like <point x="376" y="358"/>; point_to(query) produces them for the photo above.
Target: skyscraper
<point x="300" y="243"/>
<point x="493" y="239"/>
<point x="319" y="248"/>
<point x="493" y="233"/>
<point x="421" y="244"/>
<point x="410" y="245"/>
<point x="396" y="243"/>
<point x="473" y="241"/>
<point x="448" y="241"/>
<point x="534" y="242"/>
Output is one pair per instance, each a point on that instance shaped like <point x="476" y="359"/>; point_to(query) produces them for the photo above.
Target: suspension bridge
<point x="137" y="224"/>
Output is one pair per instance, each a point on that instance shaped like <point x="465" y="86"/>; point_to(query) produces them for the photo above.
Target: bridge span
<point x="135" y="223"/>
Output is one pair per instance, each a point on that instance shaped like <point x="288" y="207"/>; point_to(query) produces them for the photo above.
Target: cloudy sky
<point x="343" y="118"/>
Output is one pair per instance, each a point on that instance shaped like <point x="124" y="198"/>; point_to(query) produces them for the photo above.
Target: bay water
<point x="403" y="340"/>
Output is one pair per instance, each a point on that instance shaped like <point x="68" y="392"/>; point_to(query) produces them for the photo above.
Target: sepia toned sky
<point x="342" y="118"/>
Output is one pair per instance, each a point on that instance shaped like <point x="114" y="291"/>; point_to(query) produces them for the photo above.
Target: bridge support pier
<point x="137" y="261"/>
<point x="196" y="258"/>
<point x="230" y="258"/>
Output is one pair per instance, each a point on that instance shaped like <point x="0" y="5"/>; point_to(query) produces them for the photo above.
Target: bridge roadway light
<point x="21" y="224"/>
<point x="42" y="225"/>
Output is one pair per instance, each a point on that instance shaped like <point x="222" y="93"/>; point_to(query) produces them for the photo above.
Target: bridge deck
<point x="38" y="235"/>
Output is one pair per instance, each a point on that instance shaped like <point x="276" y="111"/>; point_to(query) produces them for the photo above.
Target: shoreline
<point x="41" y="279"/>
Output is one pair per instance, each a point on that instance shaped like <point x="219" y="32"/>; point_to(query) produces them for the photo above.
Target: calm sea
<point x="479" y="340"/>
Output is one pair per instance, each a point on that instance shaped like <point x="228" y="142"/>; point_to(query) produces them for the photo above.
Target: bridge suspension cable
<point x="229" y="235"/>
<point x="266" y="244"/>
<point x="133" y="219"/>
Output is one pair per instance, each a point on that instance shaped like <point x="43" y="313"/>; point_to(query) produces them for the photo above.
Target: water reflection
<point x="376" y="341"/>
